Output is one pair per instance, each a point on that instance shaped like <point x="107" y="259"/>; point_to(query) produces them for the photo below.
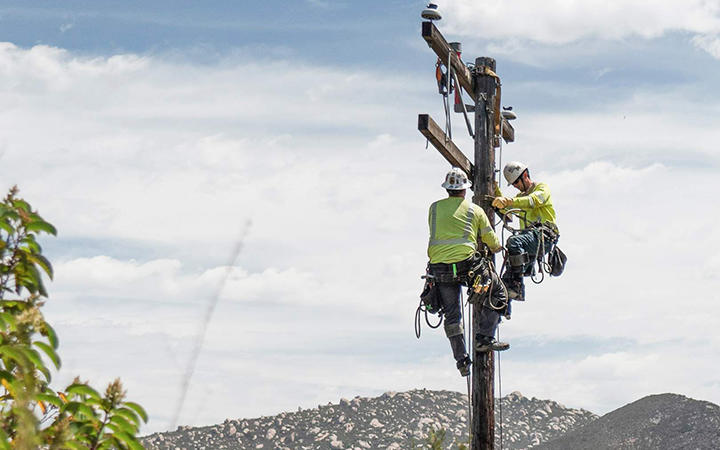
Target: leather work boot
<point x="488" y="344"/>
<point x="464" y="366"/>
<point x="515" y="289"/>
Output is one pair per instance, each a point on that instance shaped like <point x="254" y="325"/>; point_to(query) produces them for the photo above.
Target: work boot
<point x="516" y="289"/>
<point x="488" y="344"/>
<point x="463" y="366"/>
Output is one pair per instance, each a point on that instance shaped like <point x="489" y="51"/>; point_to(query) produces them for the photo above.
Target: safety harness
<point x="477" y="273"/>
<point x="549" y="258"/>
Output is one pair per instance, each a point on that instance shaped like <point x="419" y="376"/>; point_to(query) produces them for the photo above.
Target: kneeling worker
<point x="455" y="224"/>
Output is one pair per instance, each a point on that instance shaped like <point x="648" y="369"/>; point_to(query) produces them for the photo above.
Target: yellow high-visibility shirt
<point x="537" y="203"/>
<point x="455" y="224"/>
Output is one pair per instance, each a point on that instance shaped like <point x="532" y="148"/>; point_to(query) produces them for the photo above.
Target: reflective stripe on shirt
<point x="467" y="228"/>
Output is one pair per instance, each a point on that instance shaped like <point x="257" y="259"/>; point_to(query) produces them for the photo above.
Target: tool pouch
<point x="557" y="261"/>
<point x="430" y="297"/>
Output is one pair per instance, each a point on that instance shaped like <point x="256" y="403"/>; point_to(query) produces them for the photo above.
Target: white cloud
<point x="708" y="42"/>
<point x="560" y="22"/>
<point x="335" y="180"/>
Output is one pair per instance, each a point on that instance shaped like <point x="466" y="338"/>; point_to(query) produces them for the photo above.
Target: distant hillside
<point x="391" y="421"/>
<point x="665" y="421"/>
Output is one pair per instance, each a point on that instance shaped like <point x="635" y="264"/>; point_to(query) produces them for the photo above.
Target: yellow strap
<point x="485" y="70"/>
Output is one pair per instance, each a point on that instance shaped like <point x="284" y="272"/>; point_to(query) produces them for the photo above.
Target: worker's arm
<point x="498" y="192"/>
<point x="538" y="197"/>
<point x="486" y="233"/>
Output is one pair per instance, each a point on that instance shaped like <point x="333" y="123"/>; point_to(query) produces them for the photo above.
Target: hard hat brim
<point x="449" y="186"/>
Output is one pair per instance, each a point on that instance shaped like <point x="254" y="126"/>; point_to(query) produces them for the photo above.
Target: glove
<point x="498" y="192"/>
<point x="502" y="202"/>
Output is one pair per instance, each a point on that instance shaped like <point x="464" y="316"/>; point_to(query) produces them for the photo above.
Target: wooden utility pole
<point x="481" y="84"/>
<point x="483" y="369"/>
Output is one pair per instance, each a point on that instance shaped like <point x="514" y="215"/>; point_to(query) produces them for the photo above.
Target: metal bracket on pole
<point x="464" y="110"/>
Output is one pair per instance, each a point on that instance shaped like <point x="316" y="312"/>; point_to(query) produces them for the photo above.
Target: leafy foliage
<point x="32" y="415"/>
<point x="435" y="440"/>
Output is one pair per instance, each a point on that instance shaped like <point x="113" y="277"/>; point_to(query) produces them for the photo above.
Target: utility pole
<point x="483" y="369"/>
<point x="481" y="84"/>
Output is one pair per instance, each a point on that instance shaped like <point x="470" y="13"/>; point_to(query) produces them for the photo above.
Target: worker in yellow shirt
<point x="537" y="222"/>
<point x="457" y="227"/>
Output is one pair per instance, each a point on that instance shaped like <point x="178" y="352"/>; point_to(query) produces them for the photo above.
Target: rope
<point x="499" y="377"/>
<point x="468" y="339"/>
<point x="491" y="270"/>
<point x="446" y="99"/>
<point x="418" y="320"/>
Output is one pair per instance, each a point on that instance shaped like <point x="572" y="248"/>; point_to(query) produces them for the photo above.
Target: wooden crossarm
<point x="445" y="146"/>
<point x="442" y="49"/>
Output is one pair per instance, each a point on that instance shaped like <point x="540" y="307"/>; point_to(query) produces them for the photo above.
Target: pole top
<point x="485" y="61"/>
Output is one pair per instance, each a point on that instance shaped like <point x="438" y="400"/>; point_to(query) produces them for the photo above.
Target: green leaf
<point x="7" y="376"/>
<point x="16" y="355"/>
<point x="8" y="321"/>
<point x="22" y="204"/>
<point x="49" y="351"/>
<point x="4" y="440"/>
<point x="31" y="243"/>
<point x="41" y="225"/>
<point x="128" y="414"/>
<point x="129" y="440"/>
<point x="13" y="304"/>
<point x="52" y="399"/>
<point x="43" y="262"/>
<point x="83" y="389"/>
<point x="35" y="358"/>
<point x="11" y="215"/>
<point x="138" y="409"/>
<point x="112" y="427"/>
<point x="37" y="280"/>
<point x="123" y="424"/>
<point x="7" y="227"/>
<point x="80" y="408"/>
<point x="74" y="445"/>
<point x="107" y="443"/>
<point x="49" y="331"/>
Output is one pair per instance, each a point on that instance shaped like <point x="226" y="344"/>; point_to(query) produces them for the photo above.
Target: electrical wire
<point x="200" y="338"/>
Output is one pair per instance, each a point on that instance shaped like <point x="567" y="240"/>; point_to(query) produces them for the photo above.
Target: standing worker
<point x="537" y="222"/>
<point x="456" y="228"/>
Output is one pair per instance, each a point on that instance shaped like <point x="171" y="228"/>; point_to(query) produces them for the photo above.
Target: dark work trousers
<point x="451" y="307"/>
<point x="450" y="298"/>
<point x="449" y="292"/>
<point x="489" y="316"/>
<point x="526" y="241"/>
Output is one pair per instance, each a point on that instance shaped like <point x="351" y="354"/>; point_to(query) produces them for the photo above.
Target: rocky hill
<point x="665" y="421"/>
<point x="391" y="421"/>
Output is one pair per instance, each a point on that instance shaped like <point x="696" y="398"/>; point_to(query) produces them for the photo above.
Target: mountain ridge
<point x="391" y="421"/>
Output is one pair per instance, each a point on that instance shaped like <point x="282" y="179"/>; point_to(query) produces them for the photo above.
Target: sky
<point x="161" y="137"/>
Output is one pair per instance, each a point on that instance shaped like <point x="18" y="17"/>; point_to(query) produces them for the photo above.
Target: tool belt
<point x="453" y="272"/>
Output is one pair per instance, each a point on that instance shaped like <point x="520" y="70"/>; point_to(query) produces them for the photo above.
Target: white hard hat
<point x="456" y="180"/>
<point x="513" y="170"/>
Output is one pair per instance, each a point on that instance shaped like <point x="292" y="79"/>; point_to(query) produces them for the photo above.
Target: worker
<point x="537" y="224"/>
<point x="457" y="227"/>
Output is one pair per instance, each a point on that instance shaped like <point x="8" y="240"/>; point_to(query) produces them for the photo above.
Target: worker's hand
<point x="497" y="250"/>
<point x="498" y="192"/>
<point x="502" y="202"/>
